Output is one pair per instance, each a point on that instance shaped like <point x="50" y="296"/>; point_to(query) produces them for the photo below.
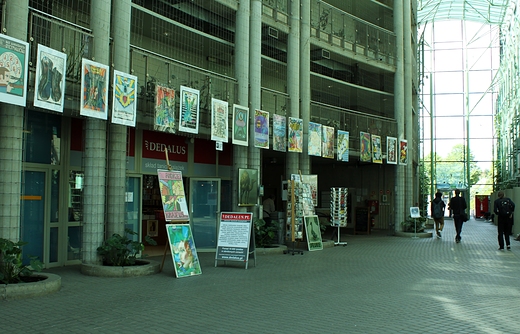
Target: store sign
<point x="155" y="144"/>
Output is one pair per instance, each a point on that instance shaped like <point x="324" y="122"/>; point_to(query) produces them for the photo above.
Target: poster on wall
<point x="184" y="254"/>
<point x="365" y="154"/>
<point x="313" y="231"/>
<point x="261" y="129"/>
<point x="14" y="60"/>
<point x="172" y="195"/>
<point x="279" y="133"/>
<point x="94" y="88"/>
<point x="240" y="125"/>
<point x="49" y="88"/>
<point x="164" y="109"/>
<point x="391" y="150"/>
<point x="314" y="145"/>
<point x="295" y="135"/>
<point x="403" y="152"/>
<point x="377" y="155"/>
<point x="247" y="187"/>
<point x="124" y="102"/>
<point x="189" y="110"/>
<point x="343" y="142"/>
<point x="327" y="142"/>
<point x="219" y="120"/>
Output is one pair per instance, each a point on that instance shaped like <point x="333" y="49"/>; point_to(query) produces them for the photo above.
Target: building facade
<point x="67" y="180"/>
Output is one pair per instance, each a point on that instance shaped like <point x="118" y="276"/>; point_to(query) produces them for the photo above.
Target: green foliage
<point x="12" y="269"/>
<point x="410" y="223"/>
<point x="265" y="234"/>
<point x="120" y="250"/>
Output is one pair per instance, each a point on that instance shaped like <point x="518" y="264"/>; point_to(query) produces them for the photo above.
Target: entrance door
<point x="33" y="214"/>
<point x="205" y="211"/>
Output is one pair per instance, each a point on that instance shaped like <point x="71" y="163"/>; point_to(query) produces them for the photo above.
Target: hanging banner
<point x="124" y="102"/>
<point x="314" y="145"/>
<point x="164" y="109"/>
<point x="295" y="135"/>
<point x="49" y="88"/>
<point x="279" y="133"/>
<point x="94" y="88"/>
<point x="240" y="125"/>
<point x="219" y="120"/>
<point x="327" y="142"/>
<point x="261" y="129"/>
<point x="365" y="154"/>
<point x="391" y="150"/>
<point x="184" y="254"/>
<point x="377" y="155"/>
<point x="403" y="152"/>
<point x="189" y="110"/>
<point x="172" y="195"/>
<point x="14" y="60"/>
<point x="343" y="143"/>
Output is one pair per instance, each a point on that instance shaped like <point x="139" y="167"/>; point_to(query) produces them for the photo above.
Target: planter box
<point x="50" y="284"/>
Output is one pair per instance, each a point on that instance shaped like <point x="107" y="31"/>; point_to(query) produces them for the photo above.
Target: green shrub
<point x="120" y="250"/>
<point x="409" y="224"/>
<point x="12" y="269"/>
<point x="265" y="234"/>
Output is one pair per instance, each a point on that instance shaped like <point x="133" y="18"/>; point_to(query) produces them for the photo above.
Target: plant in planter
<point x="410" y="224"/>
<point x="12" y="269"/>
<point x="265" y="234"/>
<point x="120" y="250"/>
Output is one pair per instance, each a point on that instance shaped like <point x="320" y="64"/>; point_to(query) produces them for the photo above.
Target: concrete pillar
<point x="294" y="76"/>
<point x="11" y="136"/>
<point x="94" y="192"/>
<point x="305" y="86"/>
<point x="255" y="78"/>
<point x="117" y="142"/>
<point x="411" y="178"/>
<point x="399" y="106"/>
<point x="242" y="76"/>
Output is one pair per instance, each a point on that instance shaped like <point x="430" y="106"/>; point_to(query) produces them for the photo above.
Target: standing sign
<point x="172" y="195"/>
<point x="184" y="254"/>
<point x="312" y="227"/>
<point x="234" y="237"/>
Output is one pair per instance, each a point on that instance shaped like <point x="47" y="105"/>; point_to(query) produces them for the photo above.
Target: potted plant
<point x="120" y="250"/>
<point x="410" y="224"/>
<point x="265" y="234"/>
<point x="12" y="268"/>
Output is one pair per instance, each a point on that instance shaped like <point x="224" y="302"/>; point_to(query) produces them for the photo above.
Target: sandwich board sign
<point x="235" y="241"/>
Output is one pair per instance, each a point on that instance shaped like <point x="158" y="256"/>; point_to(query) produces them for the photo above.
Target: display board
<point x="172" y="195"/>
<point x="234" y="237"/>
<point x="362" y="223"/>
<point x="184" y="254"/>
<point x="313" y="231"/>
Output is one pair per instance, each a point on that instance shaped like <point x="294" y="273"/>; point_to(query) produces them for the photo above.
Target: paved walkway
<point x="376" y="284"/>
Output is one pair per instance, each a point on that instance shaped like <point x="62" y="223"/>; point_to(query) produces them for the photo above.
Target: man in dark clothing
<point x="457" y="206"/>
<point x="503" y="209"/>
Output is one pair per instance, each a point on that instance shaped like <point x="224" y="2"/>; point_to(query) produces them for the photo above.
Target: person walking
<point x="437" y="209"/>
<point x="457" y="207"/>
<point x="503" y="208"/>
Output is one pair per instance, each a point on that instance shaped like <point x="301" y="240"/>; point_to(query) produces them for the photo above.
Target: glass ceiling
<point x="485" y="11"/>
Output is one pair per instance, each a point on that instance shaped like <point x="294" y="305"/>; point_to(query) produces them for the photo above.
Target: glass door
<point x="33" y="214"/>
<point x="205" y="211"/>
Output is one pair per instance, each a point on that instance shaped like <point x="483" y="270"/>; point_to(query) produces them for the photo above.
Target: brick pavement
<point x="376" y="284"/>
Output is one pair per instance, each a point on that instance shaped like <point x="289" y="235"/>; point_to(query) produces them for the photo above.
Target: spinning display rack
<point x="338" y="210"/>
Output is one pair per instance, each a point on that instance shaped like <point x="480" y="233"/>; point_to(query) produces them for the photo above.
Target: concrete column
<point x="255" y="77"/>
<point x="94" y="193"/>
<point x="410" y="183"/>
<point x="399" y="106"/>
<point x="242" y="76"/>
<point x="117" y="135"/>
<point x="294" y="63"/>
<point x="11" y="136"/>
<point x="305" y="79"/>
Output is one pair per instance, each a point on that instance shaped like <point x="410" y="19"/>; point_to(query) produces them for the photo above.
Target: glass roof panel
<point x="485" y="11"/>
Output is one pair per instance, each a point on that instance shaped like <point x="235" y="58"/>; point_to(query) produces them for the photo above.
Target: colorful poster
<point x="219" y="120"/>
<point x="313" y="231"/>
<point x="172" y="195"/>
<point x="240" y="125"/>
<point x="261" y="129"/>
<point x="403" y="152"/>
<point x="184" y="254"/>
<point x="247" y="187"/>
<point x="295" y="135"/>
<point x="365" y="154"/>
<point x="314" y="145"/>
<point x="189" y="110"/>
<point x="164" y="109"/>
<point x="49" y="88"/>
<point x="343" y="143"/>
<point x="327" y="142"/>
<point x="14" y="60"/>
<point x="377" y="155"/>
<point x="391" y="150"/>
<point x="94" y="88"/>
<point x="279" y="133"/>
<point x="124" y="103"/>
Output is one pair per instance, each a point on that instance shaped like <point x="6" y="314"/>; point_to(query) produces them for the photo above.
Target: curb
<point x="34" y="289"/>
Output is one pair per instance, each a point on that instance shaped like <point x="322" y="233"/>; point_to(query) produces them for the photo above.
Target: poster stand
<point x="293" y="238"/>
<point x="415" y="213"/>
<point x="338" y="211"/>
<point x="233" y="244"/>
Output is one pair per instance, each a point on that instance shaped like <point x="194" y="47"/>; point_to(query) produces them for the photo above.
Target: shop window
<point x="75" y="195"/>
<point x="42" y="138"/>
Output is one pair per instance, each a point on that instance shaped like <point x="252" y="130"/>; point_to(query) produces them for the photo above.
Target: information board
<point x="234" y="236"/>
